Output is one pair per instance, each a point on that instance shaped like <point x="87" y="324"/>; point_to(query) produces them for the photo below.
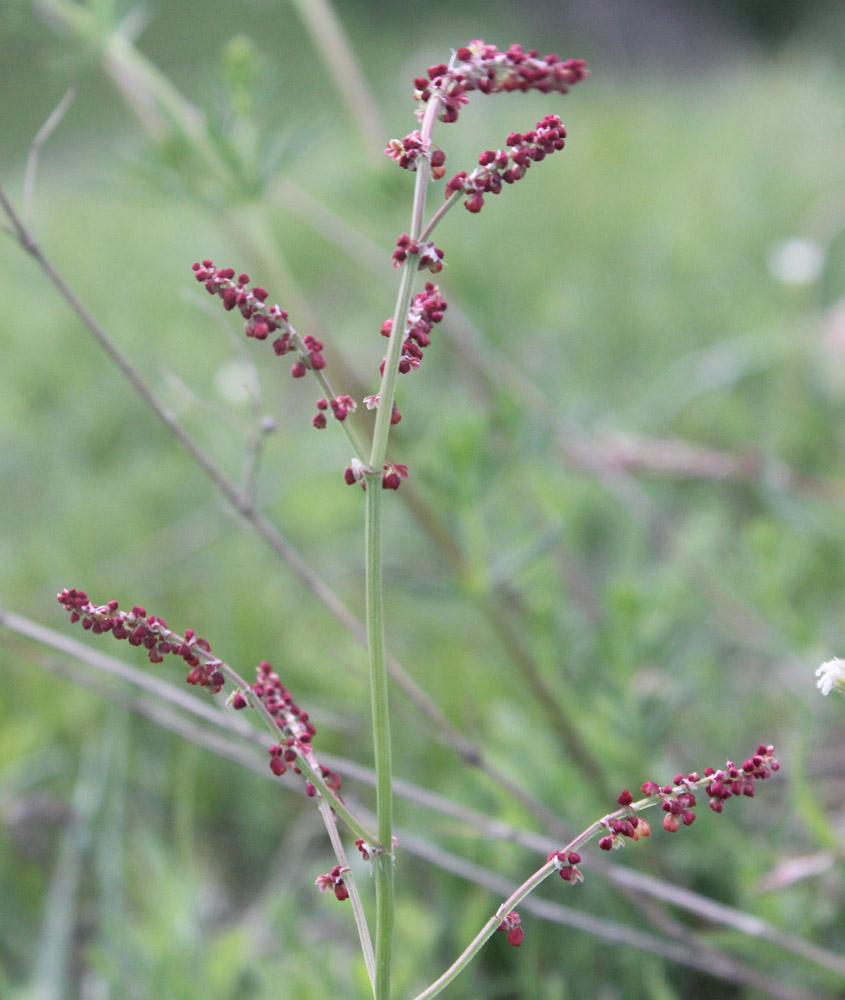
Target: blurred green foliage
<point x="628" y="286"/>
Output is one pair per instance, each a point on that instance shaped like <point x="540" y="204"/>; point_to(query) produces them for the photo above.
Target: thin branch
<point x="41" y="136"/>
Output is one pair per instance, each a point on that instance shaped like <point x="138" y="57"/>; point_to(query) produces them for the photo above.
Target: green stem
<point x="354" y="896"/>
<point x="383" y="855"/>
<point x="452" y="200"/>
<point x="487" y="932"/>
<point x="387" y="391"/>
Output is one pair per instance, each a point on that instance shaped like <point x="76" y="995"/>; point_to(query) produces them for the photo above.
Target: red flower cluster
<point x="407" y="152"/>
<point x="679" y="801"/>
<point x="149" y="631"/>
<point x="508" y="165"/>
<point x="261" y="319"/>
<point x="566" y="863"/>
<point x="427" y="308"/>
<point x="333" y="880"/>
<point x="392" y="474"/>
<point x="294" y="724"/>
<point x="340" y="407"/>
<point x="429" y="256"/>
<point x="739" y="780"/>
<point x="484" y="68"/>
<point x="512" y="924"/>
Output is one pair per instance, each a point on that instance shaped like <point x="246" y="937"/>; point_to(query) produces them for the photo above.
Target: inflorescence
<point x="149" y="631"/>
<point x="427" y="308"/>
<point x="484" y="68"/>
<point x="261" y="319"/>
<point x="678" y="799"/>
<point x="207" y="670"/>
<point x="476" y="66"/>
<point x="508" y="165"/>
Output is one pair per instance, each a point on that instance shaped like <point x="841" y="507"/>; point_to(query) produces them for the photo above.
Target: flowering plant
<point x="442" y="93"/>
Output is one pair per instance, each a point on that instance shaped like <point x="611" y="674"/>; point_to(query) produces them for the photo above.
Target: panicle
<point x="486" y="69"/>
<point x="261" y="319"/>
<point x="296" y="731"/>
<point x="678" y="800"/>
<point x="149" y="631"/>
<point x="506" y="166"/>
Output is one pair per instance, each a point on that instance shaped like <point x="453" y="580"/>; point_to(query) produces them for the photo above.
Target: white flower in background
<point x="831" y="676"/>
<point x="796" y="261"/>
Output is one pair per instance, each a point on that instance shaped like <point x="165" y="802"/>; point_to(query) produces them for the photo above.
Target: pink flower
<point x="333" y="880"/>
<point x="408" y="151"/>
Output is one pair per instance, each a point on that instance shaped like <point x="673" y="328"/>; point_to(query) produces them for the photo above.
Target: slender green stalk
<point x="452" y="200"/>
<point x="383" y="854"/>
<point x="354" y="895"/>
<point x="307" y="764"/>
<point x="486" y="932"/>
<point x="387" y="391"/>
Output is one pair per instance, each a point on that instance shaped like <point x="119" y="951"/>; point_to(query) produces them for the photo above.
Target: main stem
<point x="383" y="855"/>
<point x="387" y="390"/>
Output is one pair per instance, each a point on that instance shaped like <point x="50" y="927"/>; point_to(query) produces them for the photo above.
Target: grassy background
<point x="671" y="621"/>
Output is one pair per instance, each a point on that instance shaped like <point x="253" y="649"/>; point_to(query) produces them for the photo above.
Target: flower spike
<point x="484" y="68"/>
